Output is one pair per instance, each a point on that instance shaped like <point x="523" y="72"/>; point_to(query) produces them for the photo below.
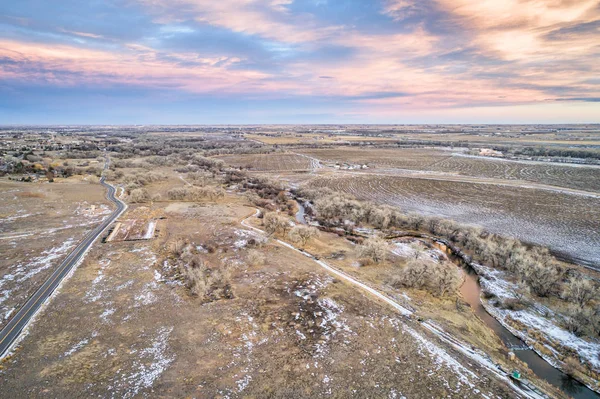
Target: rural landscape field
<point x="278" y="263"/>
<point x="290" y="199"/>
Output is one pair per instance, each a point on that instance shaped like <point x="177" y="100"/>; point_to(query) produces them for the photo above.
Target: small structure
<point x="133" y="230"/>
<point x="515" y="374"/>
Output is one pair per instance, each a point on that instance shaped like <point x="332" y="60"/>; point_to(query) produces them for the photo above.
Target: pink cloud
<point x="137" y="65"/>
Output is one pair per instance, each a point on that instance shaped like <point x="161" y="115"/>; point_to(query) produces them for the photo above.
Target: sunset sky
<point x="299" y="61"/>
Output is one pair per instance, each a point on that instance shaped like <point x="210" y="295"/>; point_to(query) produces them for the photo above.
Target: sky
<point x="299" y="61"/>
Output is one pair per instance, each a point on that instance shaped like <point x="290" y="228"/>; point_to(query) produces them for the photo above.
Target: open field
<point x="566" y="223"/>
<point x="275" y="162"/>
<point x="290" y="329"/>
<point x="452" y="162"/>
<point x="285" y="139"/>
<point x="39" y="224"/>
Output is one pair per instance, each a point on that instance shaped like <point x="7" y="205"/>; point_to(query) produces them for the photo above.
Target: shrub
<point x="437" y="278"/>
<point x="208" y="283"/>
<point x="571" y="366"/>
<point x="139" y="195"/>
<point x="195" y="193"/>
<point x="542" y="280"/>
<point x="513" y="304"/>
<point x="580" y="321"/>
<point x="195" y="279"/>
<point x="275" y="223"/>
<point x="373" y="250"/>
<point x="255" y="258"/>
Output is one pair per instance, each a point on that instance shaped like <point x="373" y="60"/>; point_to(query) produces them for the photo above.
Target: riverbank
<point x="540" y="363"/>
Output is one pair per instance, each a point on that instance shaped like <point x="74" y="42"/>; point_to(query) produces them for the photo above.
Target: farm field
<point x="274" y="162"/>
<point x="569" y="224"/>
<point x="453" y="162"/>
<point x="39" y="225"/>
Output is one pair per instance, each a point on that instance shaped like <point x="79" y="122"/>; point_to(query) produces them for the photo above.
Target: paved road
<point x="15" y="326"/>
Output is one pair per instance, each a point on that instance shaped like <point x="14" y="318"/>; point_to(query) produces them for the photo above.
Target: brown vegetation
<point x="303" y="234"/>
<point x="438" y="278"/>
<point x="373" y="250"/>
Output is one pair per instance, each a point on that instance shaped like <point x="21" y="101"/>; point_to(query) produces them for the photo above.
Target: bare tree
<point x="139" y="195"/>
<point x="373" y="250"/>
<point x="580" y="321"/>
<point x="303" y="234"/>
<point x="438" y="278"/>
<point x="520" y="291"/>
<point x="447" y="279"/>
<point x="580" y="291"/>
<point x="275" y="223"/>
<point x="542" y="280"/>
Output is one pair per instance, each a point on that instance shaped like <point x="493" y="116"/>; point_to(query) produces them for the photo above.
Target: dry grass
<point x="30" y="194"/>
<point x="287" y="313"/>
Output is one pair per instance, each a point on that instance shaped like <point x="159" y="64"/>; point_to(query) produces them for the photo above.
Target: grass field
<point x="39" y="224"/>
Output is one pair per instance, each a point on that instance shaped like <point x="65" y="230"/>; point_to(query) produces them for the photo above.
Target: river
<point x="471" y="293"/>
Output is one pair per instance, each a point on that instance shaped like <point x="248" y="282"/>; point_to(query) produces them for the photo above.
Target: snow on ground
<point x="150" y="363"/>
<point x="76" y="347"/>
<point x="149" y="256"/>
<point x="147" y="296"/>
<point x="443" y="359"/>
<point x="47" y="259"/>
<point x="150" y="231"/>
<point x="244" y="236"/>
<point x="22" y="272"/>
<point x="20" y="214"/>
<point x="417" y="250"/>
<point x="95" y="292"/>
<point x="494" y="281"/>
<point x="107" y="312"/>
<point x="331" y="324"/>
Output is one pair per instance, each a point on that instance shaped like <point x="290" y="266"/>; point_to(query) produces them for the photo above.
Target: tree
<point x="139" y="195"/>
<point x="373" y="249"/>
<point x="303" y="234"/>
<point x="520" y="292"/>
<point x="447" y="279"/>
<point x="438" y="278"/>
<point x="275" y="223"/>
<point x="412" y="275"/>
<point x="580" y="321"/>
<point x="579" y="291"/>
<point x="542" y="279"/>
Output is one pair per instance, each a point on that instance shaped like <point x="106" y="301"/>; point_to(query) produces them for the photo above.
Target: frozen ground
<point x="36" y="233"/>
<point x="537" y="319"/>
<point x="569" y="224"/>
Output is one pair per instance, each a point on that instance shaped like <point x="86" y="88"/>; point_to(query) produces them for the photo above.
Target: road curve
<point x="11" y="332"/>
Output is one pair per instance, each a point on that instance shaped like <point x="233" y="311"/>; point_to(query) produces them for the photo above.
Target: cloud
<point x="266" y="18"/>
<point x="383" y="55"/>
<point x="82" y="34"/>
<point x="69" y="66"/>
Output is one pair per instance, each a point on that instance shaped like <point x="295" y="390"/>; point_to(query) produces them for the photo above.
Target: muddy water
<point x="471" y="292"/>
